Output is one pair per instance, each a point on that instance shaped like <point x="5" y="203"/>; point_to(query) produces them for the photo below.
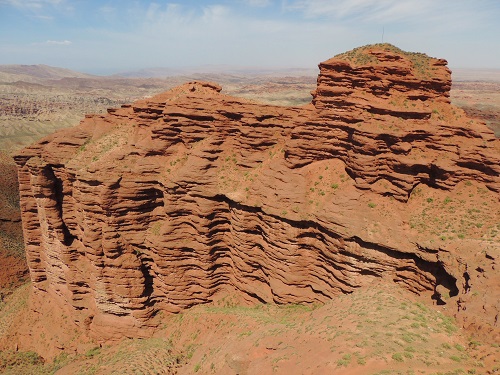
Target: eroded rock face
<point x="381" y="81"/>
<point x="172" y="201"/>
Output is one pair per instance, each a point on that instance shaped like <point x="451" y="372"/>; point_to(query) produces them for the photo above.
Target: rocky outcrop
<point x="385" y="81"/>
<point x="172" y="201"/>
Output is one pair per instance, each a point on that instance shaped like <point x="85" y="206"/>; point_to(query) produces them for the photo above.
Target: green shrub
<point x="397" y="357"/>
<point x="345" y="361"/>
<point x="93" y="352"/>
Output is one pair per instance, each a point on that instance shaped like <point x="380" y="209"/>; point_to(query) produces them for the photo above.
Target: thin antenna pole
<point x="383" y="30"/>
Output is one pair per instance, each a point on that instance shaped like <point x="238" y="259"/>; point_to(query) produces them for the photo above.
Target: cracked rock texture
<point x="176" y="200"/>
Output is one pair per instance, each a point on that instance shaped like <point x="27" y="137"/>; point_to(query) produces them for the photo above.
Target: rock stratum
<point x="176" y="200"/>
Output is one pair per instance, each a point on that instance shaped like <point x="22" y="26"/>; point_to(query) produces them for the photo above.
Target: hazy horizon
<point x="487" y="74"/>
<point x="112" y="37"/>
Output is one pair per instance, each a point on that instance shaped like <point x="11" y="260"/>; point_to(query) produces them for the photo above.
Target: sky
<point x="112" y="36"/>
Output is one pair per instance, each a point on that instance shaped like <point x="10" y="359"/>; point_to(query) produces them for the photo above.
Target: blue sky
<point x="112" y="36"/>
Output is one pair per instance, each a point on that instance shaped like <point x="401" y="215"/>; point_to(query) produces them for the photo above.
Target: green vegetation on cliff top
<point x="363" y="56"/>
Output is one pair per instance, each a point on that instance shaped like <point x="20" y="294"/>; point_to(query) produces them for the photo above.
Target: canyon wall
<point x="176" y="200"/>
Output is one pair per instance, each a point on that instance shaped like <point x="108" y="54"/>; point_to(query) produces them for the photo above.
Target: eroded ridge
<point x="171" y="201"/>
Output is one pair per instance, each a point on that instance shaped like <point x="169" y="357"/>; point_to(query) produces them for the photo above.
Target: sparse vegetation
<point x="362" y="56"/>
<point x="397" y="357"/>
<point x="344" y="361"/>
<point x="382" y="324"/>
<point x="454" y="218"/>
<point x="93" y="352"/>
<point x="155" y="228"/>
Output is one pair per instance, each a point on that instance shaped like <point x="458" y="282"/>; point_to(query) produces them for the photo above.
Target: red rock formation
<point x="384" y="81"/>
<point x="163" y="204"/>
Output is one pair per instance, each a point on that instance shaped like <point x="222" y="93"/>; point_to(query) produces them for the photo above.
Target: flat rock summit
<point x="191" y="195"/>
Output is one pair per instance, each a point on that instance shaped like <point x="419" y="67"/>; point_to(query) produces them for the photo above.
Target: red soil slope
<point x="12" y="262"/>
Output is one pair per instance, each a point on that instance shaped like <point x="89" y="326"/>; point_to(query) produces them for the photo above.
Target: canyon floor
<point x="381" y="329"/>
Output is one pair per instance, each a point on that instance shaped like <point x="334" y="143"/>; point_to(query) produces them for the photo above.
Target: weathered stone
<point x="160" y="205"/>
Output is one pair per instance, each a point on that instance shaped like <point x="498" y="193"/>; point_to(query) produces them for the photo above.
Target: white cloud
<point x="303" y="33"/>
<point x="392" y="11"/>
<point x="33" y="5"/>
<point x="47" y="10"/>
<point x="258" y="3"/>
<point x="177" y="35"/>
<point x="58" y="43"/>
<point x="215" y="13"/>
<point x="44" y="17"/>
<point x="107" y="9"/>
<point x="336" y="9"/>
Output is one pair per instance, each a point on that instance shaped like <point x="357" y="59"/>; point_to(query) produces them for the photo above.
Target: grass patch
<point x="93" y="352"/>
<point x="344" y="361"/>
<point x="398" y="357"/>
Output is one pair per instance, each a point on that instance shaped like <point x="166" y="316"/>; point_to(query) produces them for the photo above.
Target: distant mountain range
<point x="488" y="75"/>
<point x="160" y="72"/>
<point x="37" y="73"/>
<point x="40" y="73"/>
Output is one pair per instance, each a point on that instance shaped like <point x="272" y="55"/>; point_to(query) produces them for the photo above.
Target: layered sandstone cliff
<point x="171" y="201"/>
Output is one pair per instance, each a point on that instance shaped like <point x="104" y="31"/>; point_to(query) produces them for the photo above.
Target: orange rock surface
<point x="172" y="201"/>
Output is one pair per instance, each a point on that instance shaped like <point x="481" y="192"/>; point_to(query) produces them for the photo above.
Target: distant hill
<point x="162" y="72"/>
<point x="41" y="73"/>
<point x="152" y="73"/>
<point x="486" y="75"/>
<point x="36" y="73"/>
